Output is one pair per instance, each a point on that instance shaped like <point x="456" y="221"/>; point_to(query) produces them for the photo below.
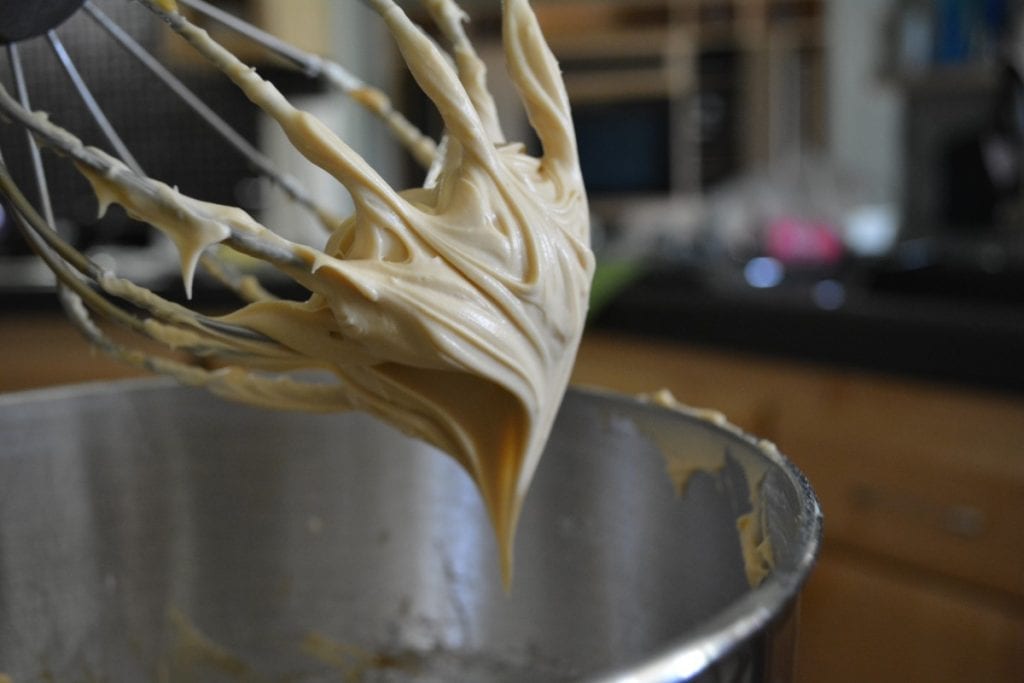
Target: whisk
<point x="426" y="304"/>
<point x="87" y="288"/>
<point x="80" y="280"/>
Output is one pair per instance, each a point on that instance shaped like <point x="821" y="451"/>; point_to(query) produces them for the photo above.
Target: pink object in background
<point x="791" y="239"/>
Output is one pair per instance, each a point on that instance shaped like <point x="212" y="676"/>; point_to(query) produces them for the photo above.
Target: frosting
<point x="686" y="456"/>
<point x="452" y="310"/>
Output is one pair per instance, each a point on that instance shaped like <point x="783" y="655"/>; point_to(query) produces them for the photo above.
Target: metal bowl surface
<point x="151" y="532"/>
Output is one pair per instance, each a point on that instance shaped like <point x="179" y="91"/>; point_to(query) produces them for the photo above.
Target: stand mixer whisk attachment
<point x="452" y="310"/>
<point x="80" y="281"/>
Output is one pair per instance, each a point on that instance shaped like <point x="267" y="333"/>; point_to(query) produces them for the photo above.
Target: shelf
<point x="625" y="84"/>
<point x="652" y="41"/>
<point x="946" y="79"/>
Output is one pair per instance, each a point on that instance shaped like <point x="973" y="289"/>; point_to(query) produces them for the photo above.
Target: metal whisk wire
<point x="89" y="100"/>
<point x="84" y="287"/>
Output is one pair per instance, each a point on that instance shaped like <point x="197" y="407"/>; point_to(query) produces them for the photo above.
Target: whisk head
<point x="83" y="284"/>
<point x="452" y="310"/>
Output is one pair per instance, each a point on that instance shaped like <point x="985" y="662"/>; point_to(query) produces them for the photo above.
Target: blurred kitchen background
<point x="808" y="214"/>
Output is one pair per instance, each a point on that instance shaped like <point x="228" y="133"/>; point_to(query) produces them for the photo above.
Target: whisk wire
<point x="71" y="301"/>
<point x="85" y="287"/>
<point x="278" y="252"/>
<point x="311" y="65"/>
<point x="259" y="161"/>
<point x="70" y="265"/>
<point x="75" y="272"/>
<point x="21" y="87"/>
<point x="92" y="105"/>
<point x="422" y="147"/>
<point x="449" y="18"/>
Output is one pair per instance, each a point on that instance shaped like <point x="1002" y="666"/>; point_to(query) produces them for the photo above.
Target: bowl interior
<point x="153" y="532"/>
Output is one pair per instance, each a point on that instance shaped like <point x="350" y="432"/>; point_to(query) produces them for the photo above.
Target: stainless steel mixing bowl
<point x="150" y="532"/>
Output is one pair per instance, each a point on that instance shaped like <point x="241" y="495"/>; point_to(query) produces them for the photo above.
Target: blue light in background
<point x="829" y="294"/>
<point x="764" y="272"/>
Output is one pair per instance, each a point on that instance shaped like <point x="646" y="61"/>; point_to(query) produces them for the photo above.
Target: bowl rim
<point x="693" y="652"/>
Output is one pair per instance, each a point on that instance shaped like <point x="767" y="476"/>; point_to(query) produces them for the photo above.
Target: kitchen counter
<point x="927" y="324"/>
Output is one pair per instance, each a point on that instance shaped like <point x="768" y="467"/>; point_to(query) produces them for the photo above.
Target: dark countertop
<point x="965" y="328"/>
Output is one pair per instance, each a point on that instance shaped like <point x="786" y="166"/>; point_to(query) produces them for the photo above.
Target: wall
<point x="865" y="114"/>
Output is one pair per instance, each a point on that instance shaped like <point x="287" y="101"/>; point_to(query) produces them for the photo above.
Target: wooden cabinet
<point x="45" y="350"/>
<point x="918" y="475"/>
<point x="867" y="621"/>
<point x="921" y="576"/>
